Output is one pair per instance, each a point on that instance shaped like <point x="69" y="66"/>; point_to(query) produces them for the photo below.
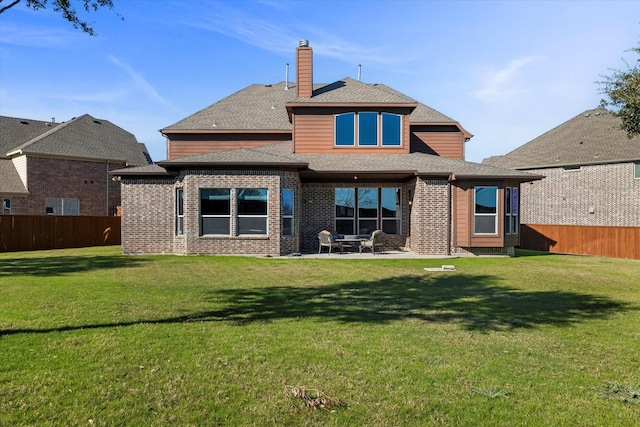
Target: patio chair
<point x="376" y="239"/>
<point x="325" y="238"/>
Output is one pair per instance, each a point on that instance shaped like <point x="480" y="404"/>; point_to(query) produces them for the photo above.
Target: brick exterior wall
<point x="149" y="214"/>
<point x="430" y="217"/>
<point x="148" y="209"/>
<point x="594" y="195"/>
<point x="87" y="181"/>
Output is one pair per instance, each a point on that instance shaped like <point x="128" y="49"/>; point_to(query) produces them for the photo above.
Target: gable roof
<point x="593" y="137"/>
<point x="18" y="131"/>
<point x="279" y="155"/>
<point x="81" y="137"/>
<point x="261" y="107"/>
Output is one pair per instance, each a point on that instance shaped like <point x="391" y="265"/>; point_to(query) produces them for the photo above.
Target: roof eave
<point x="174" y="164"/>
<point x="592" y="163"/>
<point x="521" y="178"/>
<point x="218" y="131"/>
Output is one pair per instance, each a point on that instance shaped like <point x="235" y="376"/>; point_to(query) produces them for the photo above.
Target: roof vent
<point x="98" y="122"/>
<point x="24" y="122"/>
<point x="303" y="43"/>
<point x="587" y="115"/>
<point x="598" y="113"/>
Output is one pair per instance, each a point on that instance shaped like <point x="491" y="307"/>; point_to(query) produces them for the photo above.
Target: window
<point x="179" y="211"/>
<point x="62" y="206"/>
<point x="345" y="210"/>
<point x="367" y="210"/>
<point x="390" y="210"/>
<point x="511" y="210"/>
<point x="375" y="206"/>
<point x="345" y="129"/>
<point x="287" y="213"/>
<point x="215" y="211"/>
<point x="369" y="128"/>
<point x="636" y="172"/>
<point x="486" y="210"/>
<point x="6" y="204"/>
<point x="391" y="129"/>
<point x="252" y="211"/>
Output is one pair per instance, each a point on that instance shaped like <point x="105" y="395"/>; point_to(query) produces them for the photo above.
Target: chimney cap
<point x="303" y="43"/>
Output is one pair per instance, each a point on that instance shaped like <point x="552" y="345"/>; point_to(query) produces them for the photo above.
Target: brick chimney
<point x="304" y="70"/>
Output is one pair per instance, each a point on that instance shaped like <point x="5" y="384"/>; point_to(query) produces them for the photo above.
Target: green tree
<point x="66" y="8"/>
<point x="622" y="91"/>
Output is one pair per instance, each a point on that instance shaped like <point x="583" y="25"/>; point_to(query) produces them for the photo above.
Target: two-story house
<point x="589" y="201"/>
<point x="49" y="168"/>
<point x="267" y="168"/>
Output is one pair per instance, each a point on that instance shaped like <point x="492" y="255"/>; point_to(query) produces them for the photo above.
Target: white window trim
<point x="476" y="214"/>
<point x="379" y="130"/>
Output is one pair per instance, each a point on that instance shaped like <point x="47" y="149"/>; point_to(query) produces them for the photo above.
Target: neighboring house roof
<point x="279" y="155"/>
<point x="81" y="137"/>
<point x="261" y="107"/>
<point x="593" y="137"/>
<point x="16" y="131"/>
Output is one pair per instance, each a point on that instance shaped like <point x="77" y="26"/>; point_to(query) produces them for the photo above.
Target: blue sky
<point x="507" y="71"/>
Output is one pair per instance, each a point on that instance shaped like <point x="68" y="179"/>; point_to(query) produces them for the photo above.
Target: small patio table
<point x="351" y="241"/>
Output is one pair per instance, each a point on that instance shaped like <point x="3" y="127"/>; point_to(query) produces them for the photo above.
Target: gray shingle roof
<point x="593" y="137"/>
<point x="262" y="107"/>
<point x="16" y="131"/>
<point x="84" y="137"/>
<point x="351" y="91"/>
<point x="280" y="155"/>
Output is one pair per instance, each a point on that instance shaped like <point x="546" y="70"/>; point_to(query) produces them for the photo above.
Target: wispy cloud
<point x="504" y="84"/>
<point x="30" y="36"/>
<point x="142" y="84"/>
<point x="278" y="35"/>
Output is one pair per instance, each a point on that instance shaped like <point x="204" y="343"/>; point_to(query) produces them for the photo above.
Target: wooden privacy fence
<point x="615" y="242"/>
<point x="27" y="232"/>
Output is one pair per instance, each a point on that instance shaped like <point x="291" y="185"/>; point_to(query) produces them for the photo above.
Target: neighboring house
<point x="592" y="178"/>
<point x="49" y="168"/>
<point x="264" y="170"/>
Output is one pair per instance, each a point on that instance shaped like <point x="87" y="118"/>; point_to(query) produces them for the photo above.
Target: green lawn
<point x="91" y="337"/>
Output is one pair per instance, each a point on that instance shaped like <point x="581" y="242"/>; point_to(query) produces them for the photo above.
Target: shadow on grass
<point x="61" y="265"/>
<point x="476" y="303"/>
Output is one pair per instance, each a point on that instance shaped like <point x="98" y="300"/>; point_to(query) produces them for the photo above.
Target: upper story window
<point x="368" y="129"/>
<point x="345" y="129"/>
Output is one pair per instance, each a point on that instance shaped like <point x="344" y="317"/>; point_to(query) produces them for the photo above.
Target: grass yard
<point x="89" y="337"/>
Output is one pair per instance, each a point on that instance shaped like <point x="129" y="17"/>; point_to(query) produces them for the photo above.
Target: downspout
<point x="107" y="176"/>
<point x="449" y="217"/>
